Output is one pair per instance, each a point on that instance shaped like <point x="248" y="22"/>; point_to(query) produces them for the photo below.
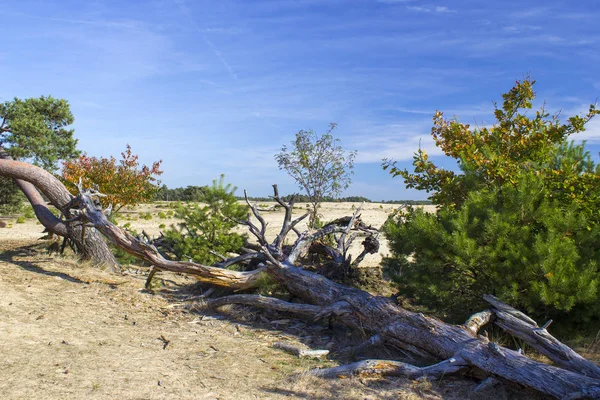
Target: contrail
<point x="219" y="55"/>
<point x="185" y="10"/>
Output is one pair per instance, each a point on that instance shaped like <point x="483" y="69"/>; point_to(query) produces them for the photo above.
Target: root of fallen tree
<point x="458" y="347"/>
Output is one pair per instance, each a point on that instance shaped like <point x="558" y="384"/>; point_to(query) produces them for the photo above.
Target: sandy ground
<point x="69" y="331"/>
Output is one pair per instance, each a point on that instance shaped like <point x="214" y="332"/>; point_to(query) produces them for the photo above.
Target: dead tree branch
<point x="521" y="326"/>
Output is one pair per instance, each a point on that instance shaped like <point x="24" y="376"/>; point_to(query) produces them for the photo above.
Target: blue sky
<point x="215" y="87"/>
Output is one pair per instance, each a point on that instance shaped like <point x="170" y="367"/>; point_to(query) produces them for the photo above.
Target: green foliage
<point x="190" y="193"/>
<point x="11" y="197"/>
<point x="124" y="258"/>
<point x="512" y="242"/>
<point x="21" y="220"/>
<point x="519" y="222"/>
<point x="29" y="213"/>
<point x="36" y="129"/>
<point x="147" y="216"/>
<point x="162" y="215"/>
<point x="207" y="228"/>
<point x="318" y="164"/>
<point x="496" y="156"/>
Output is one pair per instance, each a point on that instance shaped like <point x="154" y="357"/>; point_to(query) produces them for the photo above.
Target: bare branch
<point x="288" y="225"/>
<point x="393" y="368"/>
<point x="342" y="248"/>
<point x="213" y="275"/>
<point x="476" y="321"/>
<point x="299" y="351"/>
<point x="306" y="310"/>
<point x="521" y="326"/>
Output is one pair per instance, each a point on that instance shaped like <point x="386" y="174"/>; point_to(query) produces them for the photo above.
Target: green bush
<point x="207" y="229"/>
<point x="147" y="216"/>
<point x="519" y="221"/>
<point x="162" y="215"/>
<point x="11" y="197"/>
<point x="532" y="252"/>
<point x="21" y="220"/>
<point x="29" y="213"/>
<point x="124" y="258"/>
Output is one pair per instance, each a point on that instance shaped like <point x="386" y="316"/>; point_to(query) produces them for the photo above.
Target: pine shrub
<point x="206" y="228"/>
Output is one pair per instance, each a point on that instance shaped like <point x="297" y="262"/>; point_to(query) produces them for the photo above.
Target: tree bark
<point x="29" y="178"/>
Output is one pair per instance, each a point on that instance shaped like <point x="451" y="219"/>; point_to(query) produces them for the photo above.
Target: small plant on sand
<point x="319" y="166"/>
<point x="206" y="229"/>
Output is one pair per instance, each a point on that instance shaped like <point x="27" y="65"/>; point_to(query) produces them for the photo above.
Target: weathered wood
<point x="299" y="351"/>
<point x="30" y="179"/>
<point x="521" y="326"/>
<point x="393" y="368"/>
<point x="216" y="276"/>
<point x="271" y="303"/>
<point x="373" y="341"/>
<point x="486" y="384"/>
<point x="476" y="321"/>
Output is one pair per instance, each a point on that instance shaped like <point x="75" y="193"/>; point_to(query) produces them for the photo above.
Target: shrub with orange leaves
<point x="123" y="182"/>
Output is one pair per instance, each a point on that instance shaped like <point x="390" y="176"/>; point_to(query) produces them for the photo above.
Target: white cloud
<point x="442" y="9"/>
<point x="187" y="12"/>
<point x="394" y="1"/>
<point x="532" y="12"/>
<point x="591" y="133"/>
<point x="431" y="9"/>
<point x="461" y="113"/>
<point x="397" y="142"/>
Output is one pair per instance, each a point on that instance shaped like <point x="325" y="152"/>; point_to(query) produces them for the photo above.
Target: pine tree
<point x="206" y="230"/>
<point x="519" y="221"/>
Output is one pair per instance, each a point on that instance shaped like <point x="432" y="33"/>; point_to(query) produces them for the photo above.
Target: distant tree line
<point x="408" y="202"/>
<point x="189" y="193"/>
<point x="302" y="198"/>
<point x="195" y="193"/>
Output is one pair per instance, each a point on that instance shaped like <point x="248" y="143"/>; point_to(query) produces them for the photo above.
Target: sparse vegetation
<point x="206" y="230"/>
<point x="506" y="225"/>
<point x="319" y="166"/>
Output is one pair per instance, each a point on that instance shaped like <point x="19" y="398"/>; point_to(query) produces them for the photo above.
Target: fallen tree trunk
<point x="90" y="244"/>
<point x="458" y="346"/>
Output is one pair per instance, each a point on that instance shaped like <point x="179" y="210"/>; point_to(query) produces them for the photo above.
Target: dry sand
<point x="70" y="331"/>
